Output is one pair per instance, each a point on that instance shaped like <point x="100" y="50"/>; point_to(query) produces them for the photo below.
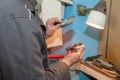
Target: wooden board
<point x="93" y="72"/>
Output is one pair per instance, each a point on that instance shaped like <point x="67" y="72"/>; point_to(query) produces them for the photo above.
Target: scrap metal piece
<point x="92" y="58"/>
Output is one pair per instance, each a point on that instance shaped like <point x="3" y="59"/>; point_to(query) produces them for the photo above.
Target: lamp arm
<point x="88" y="10"/>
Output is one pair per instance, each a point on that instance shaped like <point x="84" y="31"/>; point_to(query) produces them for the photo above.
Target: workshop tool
<point x="66" y="22"/>
<point x="92" y="58"/>
<point x="55" y="56"/>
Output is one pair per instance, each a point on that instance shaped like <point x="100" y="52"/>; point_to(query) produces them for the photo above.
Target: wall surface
<point x="113" y="54"/>
<point x="112" y="51"/>
<point x="78" y="31"/>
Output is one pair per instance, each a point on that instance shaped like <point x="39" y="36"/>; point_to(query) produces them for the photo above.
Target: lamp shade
<point x="96" y="19"/>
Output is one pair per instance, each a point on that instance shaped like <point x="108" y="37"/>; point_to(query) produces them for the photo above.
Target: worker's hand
<point x="73" y="56"/>
<point x="52" y="25"/>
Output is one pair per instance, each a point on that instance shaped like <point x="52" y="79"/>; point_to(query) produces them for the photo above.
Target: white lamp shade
<point x="96" y="19"/>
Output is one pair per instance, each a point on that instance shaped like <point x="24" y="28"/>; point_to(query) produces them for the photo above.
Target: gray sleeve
<point x="20" y="53"/>
<point x="62" y="70"/>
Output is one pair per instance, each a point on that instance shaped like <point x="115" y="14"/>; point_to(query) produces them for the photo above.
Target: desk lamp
<point x="97" y="15"/>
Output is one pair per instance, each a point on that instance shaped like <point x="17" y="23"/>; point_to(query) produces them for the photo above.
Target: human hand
<point x="51" y="26"/>
<point x="73" y="55"/>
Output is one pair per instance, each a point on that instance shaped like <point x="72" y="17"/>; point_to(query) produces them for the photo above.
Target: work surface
<point x="94" y="72"/>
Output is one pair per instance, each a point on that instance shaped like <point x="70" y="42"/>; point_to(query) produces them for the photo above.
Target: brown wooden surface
<point x="113" y="50"/>
<point x="94" y="72"/>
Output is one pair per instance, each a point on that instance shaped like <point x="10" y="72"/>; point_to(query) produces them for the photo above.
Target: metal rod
<point x="108" y="28"/>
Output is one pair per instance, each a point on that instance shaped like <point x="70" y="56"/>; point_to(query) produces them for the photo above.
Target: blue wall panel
<point x="81" y="32"/>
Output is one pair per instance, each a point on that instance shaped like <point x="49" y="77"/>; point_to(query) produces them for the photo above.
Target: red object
<point x="55" y="56"/>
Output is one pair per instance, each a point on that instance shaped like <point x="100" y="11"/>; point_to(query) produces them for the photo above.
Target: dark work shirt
<point x="23" y="51"/>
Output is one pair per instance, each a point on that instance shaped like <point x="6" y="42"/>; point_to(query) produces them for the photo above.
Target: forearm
<point x="62" y="71"/>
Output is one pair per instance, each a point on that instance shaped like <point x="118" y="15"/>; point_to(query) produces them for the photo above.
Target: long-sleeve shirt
<point x="23" y="50"/>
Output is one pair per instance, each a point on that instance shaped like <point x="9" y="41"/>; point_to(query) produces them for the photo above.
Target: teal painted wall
<point x="78" y="31"/>
<point x="81" y="32"/>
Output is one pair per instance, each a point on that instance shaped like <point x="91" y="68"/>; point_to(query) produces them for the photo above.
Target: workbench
<point x="95" y="73"/>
